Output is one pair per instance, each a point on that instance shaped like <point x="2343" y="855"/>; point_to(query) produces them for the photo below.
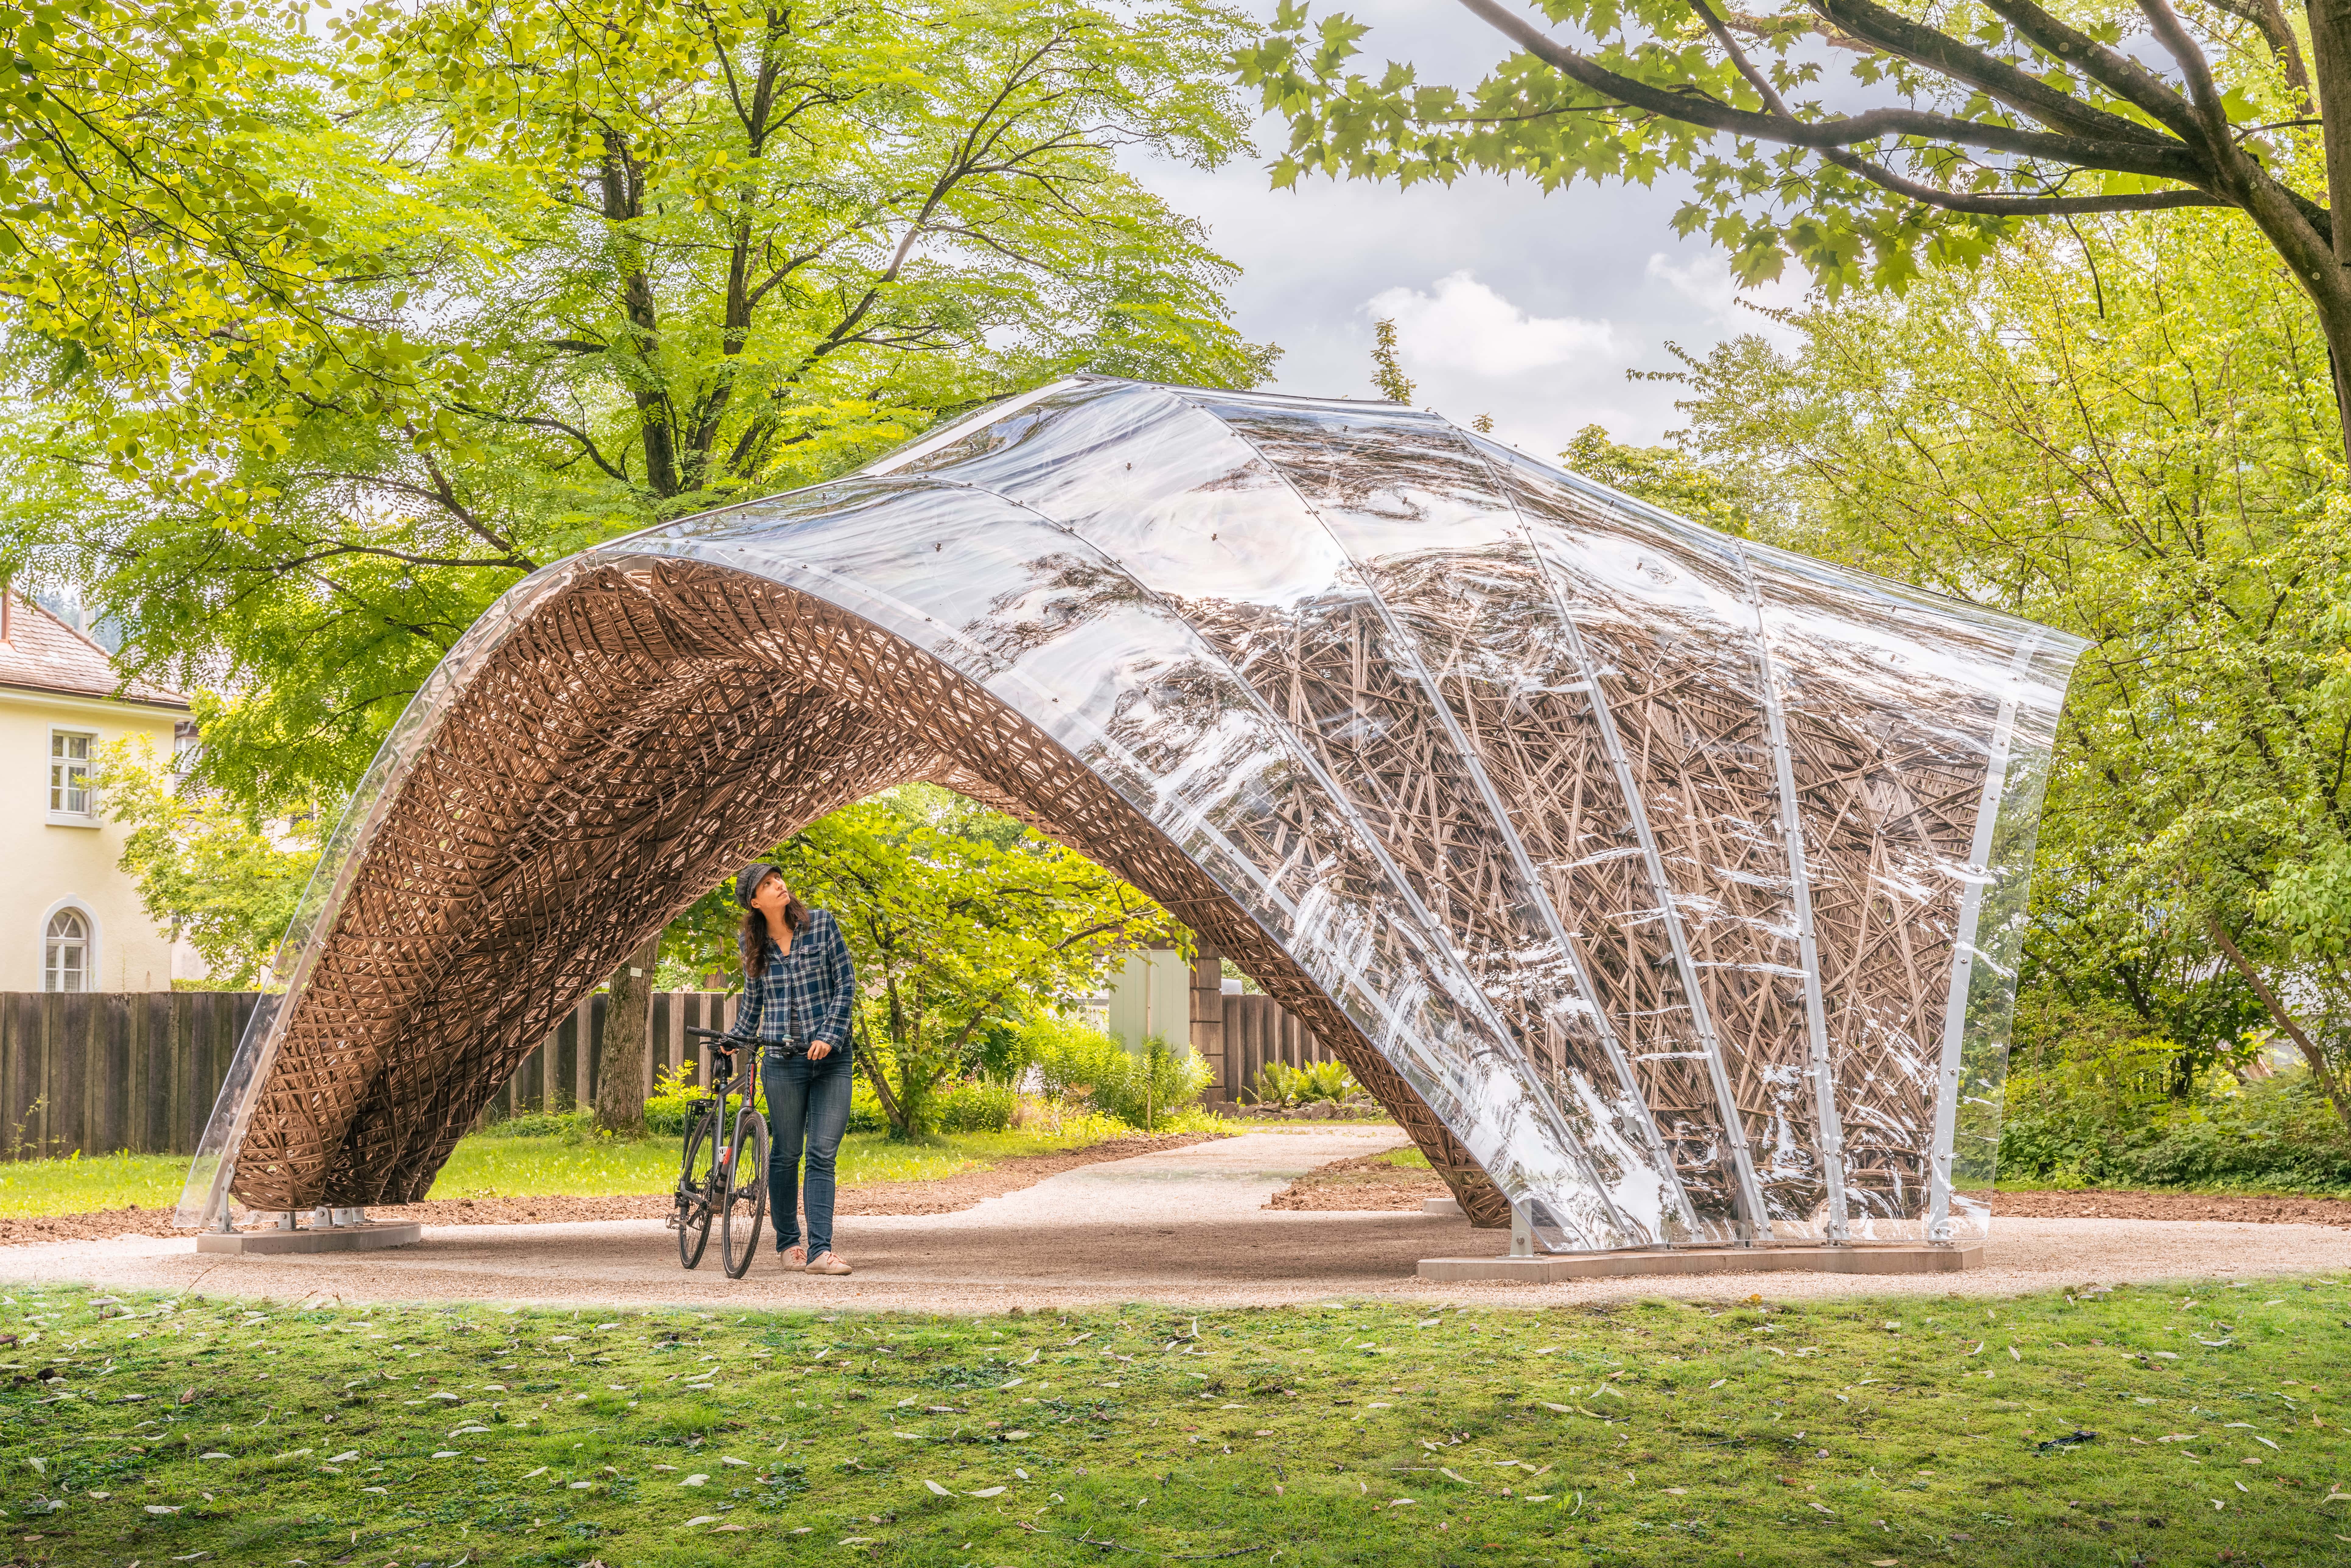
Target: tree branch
<point x="2162" y="161"/>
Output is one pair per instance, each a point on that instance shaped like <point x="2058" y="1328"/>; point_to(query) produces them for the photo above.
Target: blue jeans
<point x="808" y="1104"/>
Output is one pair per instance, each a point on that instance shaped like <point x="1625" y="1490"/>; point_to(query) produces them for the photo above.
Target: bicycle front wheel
<point x="747" y="1193"/>
<point x="697" y="1187"/>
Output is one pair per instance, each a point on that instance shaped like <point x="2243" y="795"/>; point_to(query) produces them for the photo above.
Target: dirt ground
<point x="1178" y="1226"/>
<point x="945" y="1194"/>
<point x="1359" y="1184"/>
<point x="1368" y="1184"/>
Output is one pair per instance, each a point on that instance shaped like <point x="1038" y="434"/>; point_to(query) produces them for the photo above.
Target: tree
<point x="203" y="870"/>
<point x="1387" y="370"/>
<point x="1664" y="476"/>
<point x="959" y="919"/>
<point x="668" y="257"/>
<point x="628" y="1026"/>
<point x="2122" y="426"/>
<point x="1932" y="131"/>
<point x="182" y="218"/>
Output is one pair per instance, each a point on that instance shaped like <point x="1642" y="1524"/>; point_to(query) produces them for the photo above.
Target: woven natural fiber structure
<point x="1666" y="885"/>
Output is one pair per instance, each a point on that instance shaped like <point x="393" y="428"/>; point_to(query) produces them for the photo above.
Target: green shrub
<point x="1155" y="1085"/>
<point x="674" y="1097"/>
<point x="1071" y="1059"/>
<point x="1081" y="1063"/>
<point x="2105" y="1119"/>
<point x="976" y="1106"/>
<point x="1278" y="1083"/>
<point x="865" y="1113"/>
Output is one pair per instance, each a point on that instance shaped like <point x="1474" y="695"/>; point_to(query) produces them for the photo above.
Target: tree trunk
<point x="2284" y="1019"/>
<point x="2330" y="60"/>
<point x="628" y="1020"/>
<point x="881" y="1082"/>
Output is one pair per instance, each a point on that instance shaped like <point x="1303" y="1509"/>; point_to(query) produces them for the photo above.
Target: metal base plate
<point x="365" y="1237"/>
<point x="1893" y="1258"/>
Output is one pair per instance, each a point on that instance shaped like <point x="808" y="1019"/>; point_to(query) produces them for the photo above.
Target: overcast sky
<point x="1508" y="302"/>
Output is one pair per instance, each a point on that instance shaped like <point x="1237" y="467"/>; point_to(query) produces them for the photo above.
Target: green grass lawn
<point x="490" y="1165"/>
<point x="2132" y="1426"/>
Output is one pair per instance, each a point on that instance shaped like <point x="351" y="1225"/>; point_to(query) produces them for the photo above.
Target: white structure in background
<point x="1150" y="994"/>
<point x="74" y="922"/>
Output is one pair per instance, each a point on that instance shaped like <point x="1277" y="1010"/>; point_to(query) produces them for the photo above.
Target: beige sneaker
<point x="826" y="1262"/>
<point x="794" y="1257"/>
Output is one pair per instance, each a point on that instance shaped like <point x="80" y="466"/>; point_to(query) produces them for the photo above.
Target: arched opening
<point x="657" y="723"/>
<point x="66" y="952"/>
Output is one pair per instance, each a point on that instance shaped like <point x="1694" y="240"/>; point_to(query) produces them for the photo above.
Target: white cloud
<point x="1463" y="325"/>
<point x="1706" y="282"/>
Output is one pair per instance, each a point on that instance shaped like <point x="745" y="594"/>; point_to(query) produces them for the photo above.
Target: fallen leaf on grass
<point x="986" y="1491"/>
<point x="699" y="1519"/>
<point x="936" y="1490"/>
<point x="163" y="1508"/>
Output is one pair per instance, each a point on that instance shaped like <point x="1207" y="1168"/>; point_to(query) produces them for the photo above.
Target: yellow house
<point x="74" y="922"/>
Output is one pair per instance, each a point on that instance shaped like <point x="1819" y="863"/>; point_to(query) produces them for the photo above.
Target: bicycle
<point x="729" y="1180"/>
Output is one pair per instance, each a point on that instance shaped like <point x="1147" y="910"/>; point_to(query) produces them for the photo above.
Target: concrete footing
<point x="1447" y="1206"/>
<point x="365" y="1237"/>
<point x="1882" y="1258"/>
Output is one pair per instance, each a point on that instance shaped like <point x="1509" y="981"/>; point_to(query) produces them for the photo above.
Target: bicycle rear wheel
<point x="697" y="1187"/>
<point x="747" y="1193"/>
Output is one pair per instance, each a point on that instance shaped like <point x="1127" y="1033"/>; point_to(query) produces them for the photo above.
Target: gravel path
<point x="1182" y="1226"/>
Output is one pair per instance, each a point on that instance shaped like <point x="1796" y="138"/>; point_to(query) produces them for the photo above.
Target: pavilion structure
<point x="1668" y="887"/>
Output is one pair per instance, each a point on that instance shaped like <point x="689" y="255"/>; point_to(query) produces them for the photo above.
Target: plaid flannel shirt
<point x="805" y="994"/>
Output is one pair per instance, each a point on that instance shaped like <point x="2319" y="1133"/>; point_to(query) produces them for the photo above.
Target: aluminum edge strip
<point x="1750" y="1192"/>
<point x="1963" y="950"/>
<point x="1435" y="698"/>
<point x="1792" y="828"/>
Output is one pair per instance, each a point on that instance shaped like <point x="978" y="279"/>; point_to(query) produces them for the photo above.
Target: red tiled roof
<point x="43" y="653"/>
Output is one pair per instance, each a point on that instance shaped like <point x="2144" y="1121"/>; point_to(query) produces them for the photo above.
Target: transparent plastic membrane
<point x="1650" y="860"/>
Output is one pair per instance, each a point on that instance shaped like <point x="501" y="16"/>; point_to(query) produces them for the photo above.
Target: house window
<point x="65" y="953"/>
<point x="71" y="796"/>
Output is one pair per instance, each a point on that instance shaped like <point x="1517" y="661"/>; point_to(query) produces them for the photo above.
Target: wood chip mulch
<point x="1368" y="1183"/>
<point x="2254" y="1209"/>
<point x="1361" y="1184"/>
<point x="945" y="1194"/>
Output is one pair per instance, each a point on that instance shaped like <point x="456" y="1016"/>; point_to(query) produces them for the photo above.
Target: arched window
<point x="65" y="961"/>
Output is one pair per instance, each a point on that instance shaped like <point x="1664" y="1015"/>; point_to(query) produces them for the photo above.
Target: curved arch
<point x="676" y="675"/>
<point x="1507" y="785"/>
<point x="88" y="940"/>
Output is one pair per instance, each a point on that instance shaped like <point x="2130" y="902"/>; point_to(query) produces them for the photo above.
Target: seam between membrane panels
<point x="1439" y="952"/>
<point x="1750" y="1192"/>
<point x="1963" y="946"/>
<point x="1445" y="716"/>
<point x="1791" y="831"/>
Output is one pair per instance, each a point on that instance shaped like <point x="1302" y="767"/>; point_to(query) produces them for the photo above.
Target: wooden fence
<point x="103" y="1072"/>
<point x="559" y="1076"/>
<point x="1257" y="1030"/>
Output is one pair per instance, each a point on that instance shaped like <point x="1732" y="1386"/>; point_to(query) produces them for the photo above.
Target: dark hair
<point x="753" y="938"/>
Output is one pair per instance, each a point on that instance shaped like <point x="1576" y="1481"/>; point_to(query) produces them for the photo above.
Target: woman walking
<point x="798" y="985"/>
